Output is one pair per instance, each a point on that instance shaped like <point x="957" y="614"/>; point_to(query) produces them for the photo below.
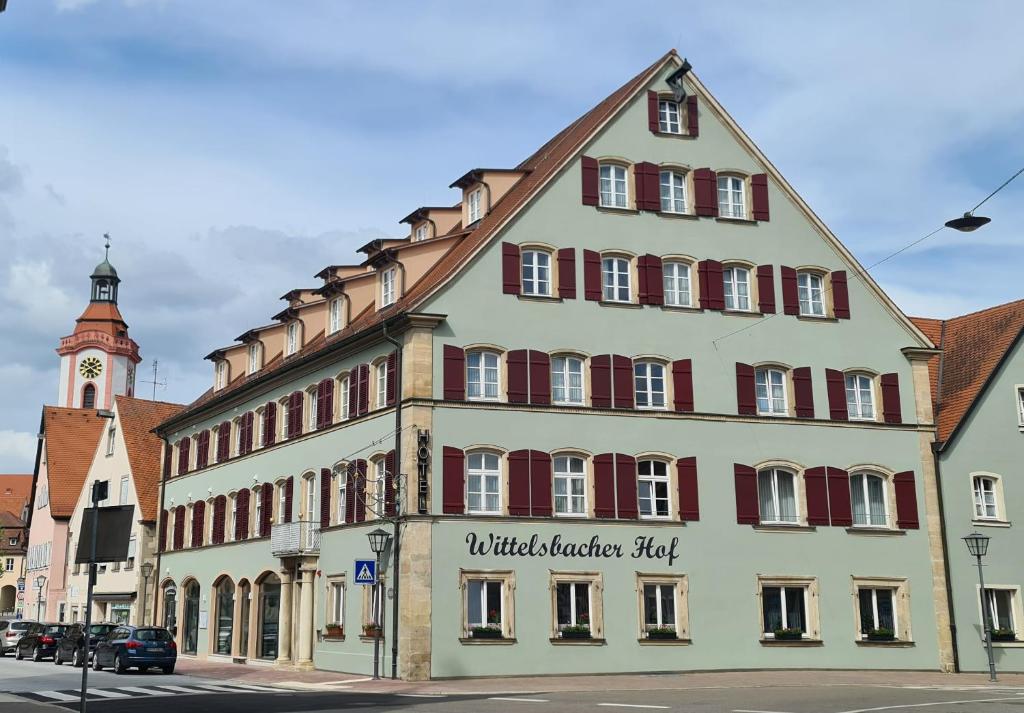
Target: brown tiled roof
<point x="138" y="419"/>
<point x="541" y="166"/>
<point x="973" y="346"/>
<point x="71" y="438"/>
<point x="15" y="490"/>
<point x="103" y="316"/>
<point x="9" y="519"/>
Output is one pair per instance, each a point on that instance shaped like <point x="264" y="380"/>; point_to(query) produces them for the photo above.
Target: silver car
<point x="11" y="631"/>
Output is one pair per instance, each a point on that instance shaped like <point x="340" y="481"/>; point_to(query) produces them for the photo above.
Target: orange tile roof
<point x="973" y="346"/>
<point x="15" y="491"/>
<point x="103" y="316"/>
<point x="71" y="438"/>
<point x="138" y="418"/>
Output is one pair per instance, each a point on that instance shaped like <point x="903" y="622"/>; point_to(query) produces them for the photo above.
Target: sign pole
<point x="99" y="494"/>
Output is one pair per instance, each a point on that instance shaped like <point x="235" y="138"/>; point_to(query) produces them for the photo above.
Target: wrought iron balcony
<point x="295" y="538"/>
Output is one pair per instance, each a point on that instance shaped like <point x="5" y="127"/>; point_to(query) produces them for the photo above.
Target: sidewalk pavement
<point x="329" y="680"/>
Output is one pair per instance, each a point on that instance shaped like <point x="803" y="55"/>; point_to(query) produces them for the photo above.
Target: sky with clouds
<point x="233" y="148"/>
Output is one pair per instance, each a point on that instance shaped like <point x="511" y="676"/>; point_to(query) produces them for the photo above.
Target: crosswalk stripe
<point x="178" y="689"/>
<point x="57" y="695"/>
<point x="106" y="693"/>
<point x="145" y="691"/>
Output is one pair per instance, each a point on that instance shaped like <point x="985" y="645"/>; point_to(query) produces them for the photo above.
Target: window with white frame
<point x="673" y="192"/>
<point x="334" y="315"/>
<point x="613" y="186"/>
<point x="309" y="490"/>
<point x="382" y="384"/>
<point x="336" y="603"/>
<point x="536" y="265"/>
<point x="986" y="499"/>
<point x="258" y="436"/>
<point x="777" y="497"/>
<point x="342" y="481"/>
<point x="258" y="509"/>
<point x="343" y="395"/>
<point x="379" y="485"/>
<point x="387" y="287"/>
<point x="222" y="374"/>
<point x="731" y="198"/>
<point x="668" y="116"/>
<point x="282" y="501"/>
<point x="860" y="397"/>
<point x="615" y="279"/>
<point x="659" y="613"/>
<point x="282" y="411"/>
<point x="487" y="604"/>
<point x="649" y="384"/>
<point x="312" y="399"/>
<point x="878" y="618"/>
<point x="570" y="485"/>
<point x="292" y="338"/>
<point x="811" y="294"/>
<point x="254" y="357"/>
<point x="1020" y="406"/>
<point x="236" y="432"/>
<point x="1002" y="606"/>
<point x="577" y="605"/>
<point x="653" y="489"/>
<point x="230" y="534"/>
<point x="736" y="283"/>
<point x="422" y="232"/>
<point x="474" y="205"/>
<point x="483" y="483"/>
<point x="676" y="277"/>
<point x="784" y="610"/>
<point x="567" y="380"/>
<point x="111" y="435"/>
<point x="123" y="494"/>
<point x="868" y="499"/>
<point x="482" y="375"/>
<point x="484" y="604"/>
<point x="770" y="387"/>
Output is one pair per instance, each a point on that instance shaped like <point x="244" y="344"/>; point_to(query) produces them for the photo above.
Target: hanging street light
<point x="968" y="223"/>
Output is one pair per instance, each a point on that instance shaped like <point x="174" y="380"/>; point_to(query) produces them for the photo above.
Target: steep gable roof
<point x="71" y="438"/>
<point x="138" y="418"/>
<point x="15" y="491"/>
<point x="973" y="347"/>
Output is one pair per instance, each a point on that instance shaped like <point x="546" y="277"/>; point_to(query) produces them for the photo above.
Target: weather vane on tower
<point x="106" y="245"/>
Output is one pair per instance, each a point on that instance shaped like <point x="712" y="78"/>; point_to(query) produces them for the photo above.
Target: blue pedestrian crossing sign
<point x="366" y="572"/>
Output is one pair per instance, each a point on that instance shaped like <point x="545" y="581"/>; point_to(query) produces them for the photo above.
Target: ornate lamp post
<point x="977" y="545"/>
<point x="379" y="540"/>
<point x="147" y="572"/>
<point x="39" y="582"/>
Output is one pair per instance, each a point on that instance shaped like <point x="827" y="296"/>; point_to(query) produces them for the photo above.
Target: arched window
<point x="736" y="284"/>
<point x="860" y="400"/>
<point x="731" y="197"/>
<point x="483" y="483"/>
<point x="777" y="496"/>
<point x="677" y="284"/>
<point x="614" y="191"/>
<point x="811" y="293"/>
<point x="649" y="384"/>
<point x="615" y="279"/>
<point x="482" y="375"/>
<point x="673" y="192"/>
<point x="570" y="484"/>
<point x="536" y="267"/>
<point x="268" y="616"/>
<point x="867" y="496"/>
<point x="653" y="489"/>
<point x="770" y="384"/>
<point x="103" y="290"/>
<point x="567" y="380"/>
<point x="89" y="396"/>
<point x="244" y="604"/>
<point x="225" y="618"/>
<point x="312" y="398"/>
<point x="381" y="379"/>
<point x="170" y="608"/>
<point x="343" y="393"/>
<point x="190" y="642"/>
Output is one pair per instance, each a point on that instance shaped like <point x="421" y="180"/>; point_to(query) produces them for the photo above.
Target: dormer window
<point x="334" y="315"/>
<point x="473" y="208"/>
<point x="668" y="117"/>
<point x="254" y="357"/>
<point x="221" y="375"/>
<point x="613" y="186"/>
<point x="387" y="287"/>
<point x="422" y="232"/>
<point x="292" y="339"/>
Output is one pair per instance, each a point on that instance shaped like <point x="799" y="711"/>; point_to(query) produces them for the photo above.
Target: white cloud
<point x="39" y="303"/>
<point x="17" y="451"/>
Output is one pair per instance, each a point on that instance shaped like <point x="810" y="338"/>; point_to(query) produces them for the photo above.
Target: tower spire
<point x="106" y="247"/>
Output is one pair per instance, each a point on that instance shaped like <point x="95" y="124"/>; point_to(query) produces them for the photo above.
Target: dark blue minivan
<point x="138" y="647"/>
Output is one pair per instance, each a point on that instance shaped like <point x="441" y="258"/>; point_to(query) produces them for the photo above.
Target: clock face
<point x="90" y="368"/>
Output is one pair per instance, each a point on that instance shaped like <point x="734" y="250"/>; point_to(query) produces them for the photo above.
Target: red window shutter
<point x="652" y="112"/>
<point x="247" y="421"/>
<point x="183" y="449"/>
<point x="203" y="449"/>
<point x="325" y="497"/>
<point x="325" y="403"/>
<point x="540" y="484"/>
<point x="712" y="289"/>
<point x="839" y="505"/>
<point x="224" y="441"/>
<point x="168" y="453"/>
<point x="289" y="492"/>
<point x="389" y="484"/>
<point x="454" y="373"/>
<point x="567" y="273"/>
<point x="641" y="279"/>
<point x="682" y="385"/>
<point x="689" y="504"/>
<point x="840" y="295"/>
<point x="625" y="486"/>
<point x="540" y="377"/>
<point x="179" y="527"/>
<point x="295" y="413"/>
<point x="906" y="500"/>
<point x="648" y="190"/>
<point x="590" y="180"/>
<point x="267" y="512"/>
<point x="692" y="120"/>
<point x="601" y="381"/>
<point x="759" y="196"/>
<point x="705" y="189"/>
<point x="510" y="269"/>
<point x="163" y="530"/>
<point x="650" y="280"/>
<point x="270" y="424"/>
<point x="353" y="392"/>
<point x="350" y="493"/>
<point x="591" y="275"/>
<point x="392" y="369"/>
<point x="747" y="510"/>
<point x="518" y="378"/>
<point x="219" y="505"/>
<point x="360" y="490"/>
<point x="746" y="395"/>
<point x="803" y="392"/>
<point x="816" y="492"/>
<point x="835" y="384"/>
<point x="790" y="294"/>
<point x="454" y="480"/>
<point x="604" y="485"/>
<point x="891" y="411"/>
<point x="198" y="522"/>
<point x="519" y="482"/>
<point x="364" y="388"/>
<point x="622" y="377"/>
<point x="242" y="519"/>
<point x="765" y="289"/>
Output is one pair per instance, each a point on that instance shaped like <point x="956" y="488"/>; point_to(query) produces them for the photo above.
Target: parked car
<point x="138" y="647"/>
<point x="72" y="646"/>
<point x="11" y="631"/>
<point x="40" y="641"/>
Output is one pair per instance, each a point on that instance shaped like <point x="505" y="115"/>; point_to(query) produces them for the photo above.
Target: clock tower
<point x="98" y="360"/>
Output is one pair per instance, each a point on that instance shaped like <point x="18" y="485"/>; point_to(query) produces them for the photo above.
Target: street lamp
<point x="378" y="543"/>
<point x="147" y="571"/>
<point x="977" y="545"/>
<point x="968" y="223"/>
<point x="40" y="581"/>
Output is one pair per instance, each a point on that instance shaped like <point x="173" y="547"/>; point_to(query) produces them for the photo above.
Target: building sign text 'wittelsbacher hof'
<point x="644" y="547"/>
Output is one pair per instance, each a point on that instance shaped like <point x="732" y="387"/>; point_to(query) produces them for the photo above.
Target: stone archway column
<point x="304" y="656"/>
<point x="284" y="619"/>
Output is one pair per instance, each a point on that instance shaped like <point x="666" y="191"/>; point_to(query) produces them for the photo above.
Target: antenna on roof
<point x="154" y="381"/>
<point x="675" y="80"/>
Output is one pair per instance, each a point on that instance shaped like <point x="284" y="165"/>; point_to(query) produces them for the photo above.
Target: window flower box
<point x="580" y="631"/>
<point x="1004" y="635"/>
<point x="371" y="630"/>
<point x="788" y="634"/>
<point x="486" y="632"/>
<point x="662" y="633"/>
<point x="335" y="631"/>
<point x="881" y="634"/>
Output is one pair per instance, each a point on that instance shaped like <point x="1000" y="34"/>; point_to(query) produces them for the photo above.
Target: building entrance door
<point x="270" y="612"/>
<point x="191" y="640"/>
